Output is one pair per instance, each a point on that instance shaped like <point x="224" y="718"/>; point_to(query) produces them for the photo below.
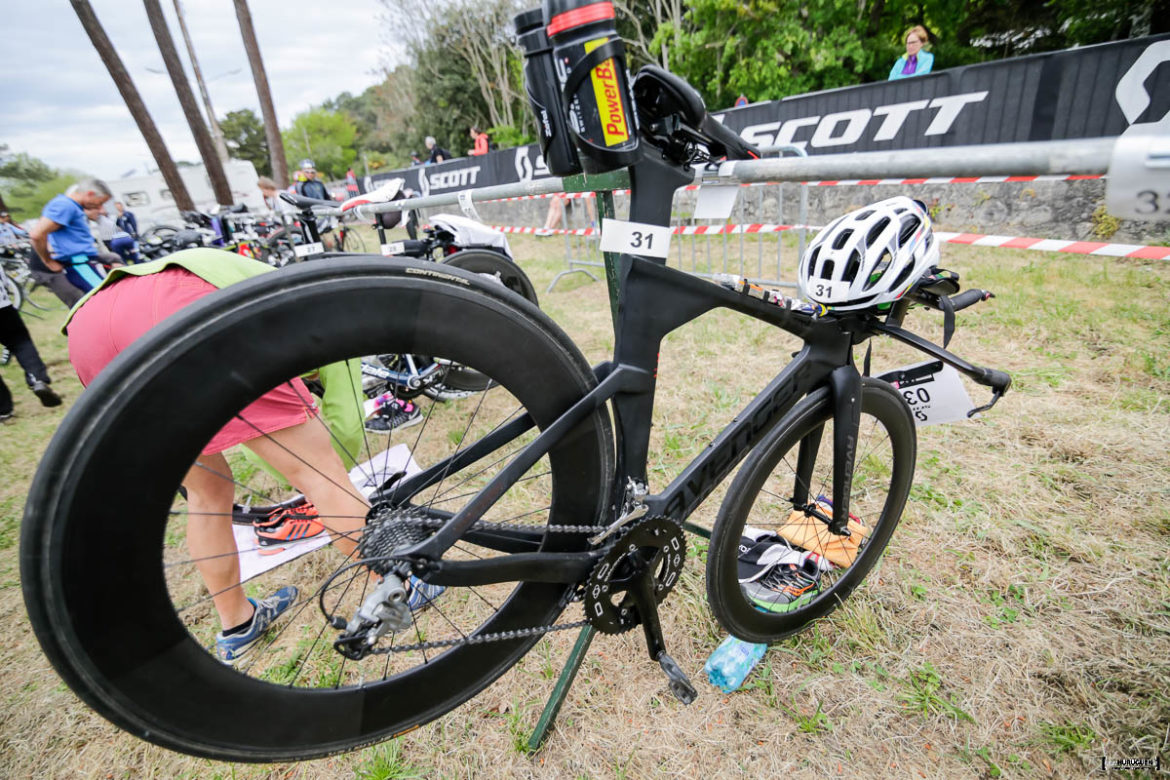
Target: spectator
<point x="915" y="62"/>
<point x="15" y="338"/>
<point x="10" y="232"/>
<point x="311" y="187"/>
<point x="272" y="200"/>
<point x="61" y="236"/>
<point x="284" y="427"/>
<point x="481" y="142"/>
<point x="557" y="205"/>
<point x="415" y="159"/>
<point x="126" y="220"/>
<point x="437" y="153"/>
<point x="116" y="240"/>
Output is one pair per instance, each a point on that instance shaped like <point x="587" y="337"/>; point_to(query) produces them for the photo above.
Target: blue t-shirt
<point x="73" y="238"/>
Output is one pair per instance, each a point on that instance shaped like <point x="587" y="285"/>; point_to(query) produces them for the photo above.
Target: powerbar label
<point x="607" y="89"/>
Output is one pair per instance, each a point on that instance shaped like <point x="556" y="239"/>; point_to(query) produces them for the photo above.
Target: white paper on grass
<point x="715" y="201"/>
<point x="935" y="395"/>
<point x="366" y="477"/>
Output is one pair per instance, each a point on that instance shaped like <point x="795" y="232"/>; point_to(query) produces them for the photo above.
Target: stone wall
<point x="1072" y="210"/>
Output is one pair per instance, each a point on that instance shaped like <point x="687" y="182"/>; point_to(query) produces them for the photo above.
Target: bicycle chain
<point x="498" y="636"/>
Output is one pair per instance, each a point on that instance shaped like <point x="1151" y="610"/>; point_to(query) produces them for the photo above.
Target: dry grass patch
<point x="1018" y="625"/>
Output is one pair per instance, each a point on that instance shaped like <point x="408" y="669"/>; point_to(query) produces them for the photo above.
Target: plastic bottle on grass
<point x="732" y="662"/>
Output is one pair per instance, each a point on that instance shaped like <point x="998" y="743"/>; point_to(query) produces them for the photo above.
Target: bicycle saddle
<point x="301" y="202"/>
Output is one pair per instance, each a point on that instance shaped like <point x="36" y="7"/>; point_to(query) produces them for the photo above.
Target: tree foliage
<point x="29" y="183"/>
<point x="243" y="132"/>
<point x="323" y="136"/>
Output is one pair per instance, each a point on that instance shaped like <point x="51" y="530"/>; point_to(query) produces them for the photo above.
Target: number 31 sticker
<point x="635" y="238"/>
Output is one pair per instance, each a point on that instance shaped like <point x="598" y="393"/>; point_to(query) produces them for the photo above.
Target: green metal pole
<point x="561" y="690"/>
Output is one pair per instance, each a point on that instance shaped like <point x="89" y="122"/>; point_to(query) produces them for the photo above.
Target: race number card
<point x="394" y="248"/>
<point x="934" y="392"/>
<point x="305" y="250"/>
<point x="715" y="202"/>
<point x="635" y="238"/>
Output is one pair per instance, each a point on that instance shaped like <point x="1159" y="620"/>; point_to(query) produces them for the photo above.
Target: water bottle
<point x="731" y="663"/>
<point x="544" y="94"/>
<point x="591" y="67"/>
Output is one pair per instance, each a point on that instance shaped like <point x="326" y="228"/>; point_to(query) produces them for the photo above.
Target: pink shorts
<point x="117" y="315"/>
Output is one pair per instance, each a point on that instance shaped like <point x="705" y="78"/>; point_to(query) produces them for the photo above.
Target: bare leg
<point x="556" y="208"/>
<point x="210" y="540"/>
<point x="304" y="455"/>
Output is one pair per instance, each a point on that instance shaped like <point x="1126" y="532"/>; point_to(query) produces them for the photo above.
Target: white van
<point x="152" y="203"/>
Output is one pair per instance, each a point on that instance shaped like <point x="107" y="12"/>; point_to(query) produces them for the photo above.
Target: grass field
<point x="1018" y="625"/>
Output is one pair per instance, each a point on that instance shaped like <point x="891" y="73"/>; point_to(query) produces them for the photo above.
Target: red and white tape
<point x="953" y="180"/>
<point x="846" y="183"/>
<point x="1055" y="245"/>
<point x="971" y="239"/>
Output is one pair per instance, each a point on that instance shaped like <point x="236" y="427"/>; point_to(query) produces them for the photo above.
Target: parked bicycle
<point x="526" y="500"/>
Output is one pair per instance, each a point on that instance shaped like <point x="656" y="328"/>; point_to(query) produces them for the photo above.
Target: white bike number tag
<point x="634" y="238"/>
<point x="395" y="248"/>
<point x="715" y="202"/>
<point x="1139" y="174"/>
<point x="304" y="250"/>
<point x="934" y="392"/>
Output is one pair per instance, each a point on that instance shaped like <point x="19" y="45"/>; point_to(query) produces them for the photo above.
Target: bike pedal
<point x="680" y="684"/>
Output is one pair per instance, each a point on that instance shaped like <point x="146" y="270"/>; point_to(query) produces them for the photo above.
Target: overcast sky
<point x="59" y="103"/>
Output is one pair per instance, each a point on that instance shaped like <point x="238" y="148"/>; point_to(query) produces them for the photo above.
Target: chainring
<point x="653" y="547"/>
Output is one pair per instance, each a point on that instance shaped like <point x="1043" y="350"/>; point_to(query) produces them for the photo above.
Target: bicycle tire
<point x="141" y="668"/>
<point x="353" y="242"/>
<point x="15" y="291"/>
<point x="498" y="266"/>
<point x="761" y="496"/>
<point x="500" y="269"/>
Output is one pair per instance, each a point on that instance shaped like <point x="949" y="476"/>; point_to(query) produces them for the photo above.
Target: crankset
<point x="626" y="586"/>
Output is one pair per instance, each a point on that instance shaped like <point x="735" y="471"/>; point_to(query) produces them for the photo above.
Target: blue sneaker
<point x="422" y="594"/>
<point x="230" y="649"/>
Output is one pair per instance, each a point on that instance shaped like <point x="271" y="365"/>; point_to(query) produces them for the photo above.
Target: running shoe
<point x="785" y="588"/>
<point x="422" y="594"/>
<point x="45" y="393"/>
<point x="395" y="414"/>
<point x="231" y="648"/>
<point x="288" y="524"/>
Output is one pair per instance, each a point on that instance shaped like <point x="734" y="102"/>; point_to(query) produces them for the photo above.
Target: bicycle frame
<point x="653" y="301"/>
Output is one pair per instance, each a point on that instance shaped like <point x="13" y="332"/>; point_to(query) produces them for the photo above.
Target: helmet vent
<point x="876" y="230"/>
<point x="908" y="228"/>
<point x="852" y="266"/>
<point x="842" y="238"/>
<point x="879" y="270"/>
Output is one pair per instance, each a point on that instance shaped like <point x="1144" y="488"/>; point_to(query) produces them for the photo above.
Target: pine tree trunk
<point x="166" y="45"/>
<point x="134" y="104"/>
<point x="271" y="128"/>
<point x="216" y="133"/>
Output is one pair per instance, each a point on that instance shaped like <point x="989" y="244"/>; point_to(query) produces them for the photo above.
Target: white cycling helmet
<point x="870" y="256"/>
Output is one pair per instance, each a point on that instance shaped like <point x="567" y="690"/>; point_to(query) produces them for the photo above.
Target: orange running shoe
<point x="288" y="524"/>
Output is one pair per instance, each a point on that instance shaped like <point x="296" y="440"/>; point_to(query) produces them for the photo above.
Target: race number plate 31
<point x="635" y="238"/>
<point x="304" y="250"/>
<point x="934" y="392"/>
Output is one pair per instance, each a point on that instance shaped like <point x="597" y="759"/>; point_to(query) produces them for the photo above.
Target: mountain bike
<point x="16" y="275"/>
<point x="530" y="500"/>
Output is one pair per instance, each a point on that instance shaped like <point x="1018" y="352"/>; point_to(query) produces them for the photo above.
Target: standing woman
<point x="915" y="62"/>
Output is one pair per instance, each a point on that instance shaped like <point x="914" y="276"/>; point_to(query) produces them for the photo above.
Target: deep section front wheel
<point x="114" y="594"/>
<point x="782" y="494"/>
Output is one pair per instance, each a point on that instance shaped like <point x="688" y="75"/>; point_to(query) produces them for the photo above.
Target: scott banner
<point x="1090" y="92"/>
